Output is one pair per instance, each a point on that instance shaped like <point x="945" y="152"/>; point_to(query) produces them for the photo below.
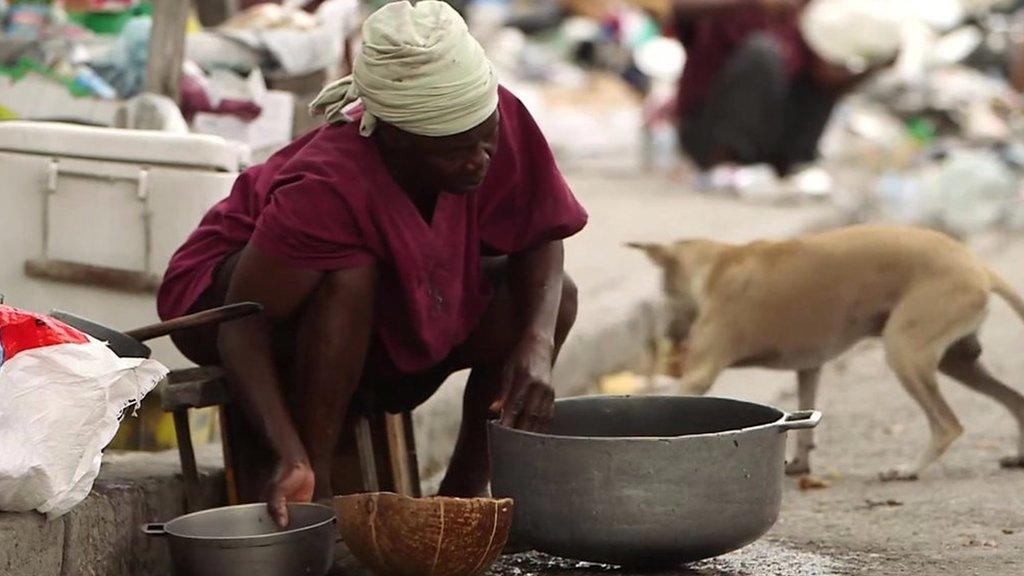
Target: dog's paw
<point x="898" y="475"/>
<point x="1012" y="462"/>
<point x="798" y="467"/>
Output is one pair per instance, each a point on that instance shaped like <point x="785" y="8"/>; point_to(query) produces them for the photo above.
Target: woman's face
<point x="455" y="164"/>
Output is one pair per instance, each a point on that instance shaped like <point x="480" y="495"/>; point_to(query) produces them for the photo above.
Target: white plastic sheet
<point x="59" y="407"/>
<point x="853" y="33"/>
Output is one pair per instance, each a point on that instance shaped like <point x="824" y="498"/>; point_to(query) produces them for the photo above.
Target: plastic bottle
<point x="87" y="80"/>
<point x="976" y="190"/>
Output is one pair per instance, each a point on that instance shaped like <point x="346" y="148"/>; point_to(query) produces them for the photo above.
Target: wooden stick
<point x="189" y="469"/>
<point x="206" y="317"/>
<point x="398" y="452"/>
<point x="413" y="458"/>
<point x="167" y="48"/>
<point x="133" y="281"/>
<point x="367" y="459"/>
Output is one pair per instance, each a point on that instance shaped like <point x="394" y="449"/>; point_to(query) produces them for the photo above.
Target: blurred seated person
<point x="752" y="91"/>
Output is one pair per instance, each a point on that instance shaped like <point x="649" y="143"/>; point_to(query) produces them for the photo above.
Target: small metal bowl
<point x="245" y="541"/>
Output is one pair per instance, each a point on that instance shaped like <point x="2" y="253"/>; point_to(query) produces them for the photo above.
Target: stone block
<point x="99" y="533"/>
<point x="103" y="536"/>
<point x="30" y="545"/>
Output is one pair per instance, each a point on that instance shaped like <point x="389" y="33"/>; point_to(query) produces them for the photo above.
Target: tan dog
<point x="796" y="304"/>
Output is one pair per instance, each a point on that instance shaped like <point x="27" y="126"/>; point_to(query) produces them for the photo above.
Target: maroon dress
<point x="711" y="41"/>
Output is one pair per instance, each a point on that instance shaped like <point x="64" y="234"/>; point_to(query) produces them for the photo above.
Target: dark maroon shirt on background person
<point x="711" y="40"/>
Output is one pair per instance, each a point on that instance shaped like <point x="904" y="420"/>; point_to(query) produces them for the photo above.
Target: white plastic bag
<point x="853" y="33"/>
<point x="59" y="407"/>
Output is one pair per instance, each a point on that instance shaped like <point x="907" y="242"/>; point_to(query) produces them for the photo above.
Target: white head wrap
<point x="419" y="70"/>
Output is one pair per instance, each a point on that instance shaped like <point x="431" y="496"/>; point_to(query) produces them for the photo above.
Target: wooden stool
<point x="379" y="454"/>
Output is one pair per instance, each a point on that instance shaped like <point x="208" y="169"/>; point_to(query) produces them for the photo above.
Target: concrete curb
<point x="101" y="536"/>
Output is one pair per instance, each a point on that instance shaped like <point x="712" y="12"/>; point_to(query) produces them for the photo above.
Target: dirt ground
<point x="964" y="517"/>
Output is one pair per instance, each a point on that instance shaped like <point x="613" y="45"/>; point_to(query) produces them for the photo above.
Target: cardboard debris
<point x="812" y="483"/>
<point x="620" y="384"/>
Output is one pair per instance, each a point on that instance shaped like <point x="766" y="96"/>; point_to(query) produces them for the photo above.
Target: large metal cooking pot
<point x="244" y="541"/>
<point x="645" y="481"/>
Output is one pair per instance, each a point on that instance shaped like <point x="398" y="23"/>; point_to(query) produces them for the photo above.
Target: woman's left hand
<point x="527" y="398"/>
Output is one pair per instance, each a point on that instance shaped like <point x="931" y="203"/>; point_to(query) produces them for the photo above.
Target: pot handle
<point x="800" y="420"/>
<point x="153" y="529"/>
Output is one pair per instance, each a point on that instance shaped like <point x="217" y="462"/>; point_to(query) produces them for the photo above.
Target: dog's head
<point x="671" y="260"/>
<point x="681" y="267"/>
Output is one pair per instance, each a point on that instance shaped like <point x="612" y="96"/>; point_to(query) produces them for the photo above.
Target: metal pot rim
<point x="257" y="539"/>
<point x="784" y="422"/>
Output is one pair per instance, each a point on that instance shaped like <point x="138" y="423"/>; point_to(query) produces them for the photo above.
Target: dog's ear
<point x="658" y="253"/>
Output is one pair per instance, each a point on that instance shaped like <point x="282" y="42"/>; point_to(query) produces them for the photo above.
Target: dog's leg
<point x="921" y="383"/>
<point x="704" y="362"/>
<point x="916" y="337"/>
<point x="807" y="391"/>
<point x="699" y="377"/>
<point x="653" y="368"/>
<point x="961" y="362"/>
<point x="916" y="366"/>
<point x="653" y="346"/>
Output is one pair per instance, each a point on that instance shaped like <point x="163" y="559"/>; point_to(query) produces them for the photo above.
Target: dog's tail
<point x="1008" y="293"/>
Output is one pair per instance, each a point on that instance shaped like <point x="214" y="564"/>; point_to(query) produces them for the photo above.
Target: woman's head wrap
<point x="419" y="70"/>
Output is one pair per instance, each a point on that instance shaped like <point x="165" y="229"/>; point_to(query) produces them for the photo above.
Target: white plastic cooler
<point x="89" y="217"/>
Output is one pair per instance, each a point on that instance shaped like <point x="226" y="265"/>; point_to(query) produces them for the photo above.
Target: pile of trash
<point x="45" y="46"/>
<point x="936" y="139"/>
<point x="279" y="39"/>
<point x="85" y="61"/>
<point x="598" y="75"/>
<point x="939" y="139"/>
<point x="586" y="70"/>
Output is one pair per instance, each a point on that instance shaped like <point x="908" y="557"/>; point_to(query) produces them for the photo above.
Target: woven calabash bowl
<point x="396" y="535"/>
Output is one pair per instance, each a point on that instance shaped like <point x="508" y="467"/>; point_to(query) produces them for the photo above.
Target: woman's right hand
<point x="293" y="481"/>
